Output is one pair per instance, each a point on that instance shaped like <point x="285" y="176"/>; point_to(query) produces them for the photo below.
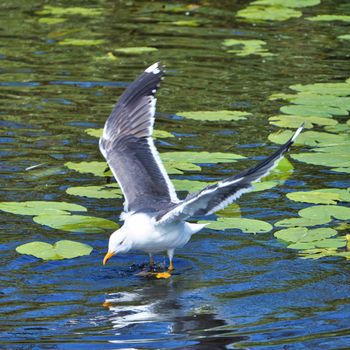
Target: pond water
<point x="60" y="74"/>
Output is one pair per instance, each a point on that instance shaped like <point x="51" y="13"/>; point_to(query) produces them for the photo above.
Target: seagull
<point x="154" y="217"/>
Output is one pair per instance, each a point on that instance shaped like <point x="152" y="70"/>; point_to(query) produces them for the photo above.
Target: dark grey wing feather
<point x="217" y="196"/>
<point x="129" y="149"/>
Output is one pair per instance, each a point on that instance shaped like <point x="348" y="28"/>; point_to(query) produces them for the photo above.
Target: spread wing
<point x="129" y="149"/>
<point x="217" y="196"/>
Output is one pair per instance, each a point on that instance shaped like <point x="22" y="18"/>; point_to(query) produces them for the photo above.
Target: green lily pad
<point x="344" y="37"/>
<point x="321" y="196"/>
<point x="62" y="11"/>
<point x="268" y="13"/>
<point x="176" y="168"/>
<point x="318" y="253"/>
<point x="287" y="3"/>
<point x="51" y="20"/>
<point x="328" y="18"/>
<point x="108" y="191"/>
<point x="326" y="211"/>
<point x="339" y="160"/>
<point x="314" y="197"/>
<point x="81" y="42"/>
<point x="316" y="215"/>
<point x="294" y="121"/>
<point x="302" y="234"/>
<point x="310" y="99"/>
<point x="311" y="138"/>
<point x="335" y="89"/>
<point x="190" y="185"/>
<point x="313" y="111"/>
<point x="76" y="223"/>
<point x="158" y="134"/>
<point x="95" y="168"/>
<point x="136" y="50"/>
<point x="200" y="157"/>
<point x="247" y="47"/>
<point x="245" y="225"/>
<point x="223" y="115"/>
<point x="64" y="249"/>
<point x="343" y="128"/>
<point x="39" y="207"/>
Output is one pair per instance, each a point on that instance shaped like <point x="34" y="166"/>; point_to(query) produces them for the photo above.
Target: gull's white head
<point x="118" y="243"/>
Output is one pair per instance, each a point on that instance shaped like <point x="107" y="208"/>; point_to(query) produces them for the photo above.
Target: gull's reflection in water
<point x="166" y="316"/>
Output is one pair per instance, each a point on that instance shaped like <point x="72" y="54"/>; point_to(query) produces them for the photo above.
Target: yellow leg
<point x="171" y="267"/>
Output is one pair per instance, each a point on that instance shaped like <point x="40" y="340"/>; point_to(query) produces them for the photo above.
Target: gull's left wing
<point x="217" y="196"/>
<point x="129" y="149"/>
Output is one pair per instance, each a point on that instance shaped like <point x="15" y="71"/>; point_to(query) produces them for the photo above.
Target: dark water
<point x="230" y="290"/>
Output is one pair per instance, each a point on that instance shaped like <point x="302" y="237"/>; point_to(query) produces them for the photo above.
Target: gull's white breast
<point x="150" y="237"/>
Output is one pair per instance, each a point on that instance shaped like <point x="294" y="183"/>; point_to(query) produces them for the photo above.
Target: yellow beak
<point x="107" y="257"/>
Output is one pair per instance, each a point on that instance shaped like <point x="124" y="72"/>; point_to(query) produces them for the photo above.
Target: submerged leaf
<point x="62" y="11"/>
<point x="136" y="50"/>
<point x="246" y="47"/>
<point x="81" y="42"/>
<point x="245" y="225"/>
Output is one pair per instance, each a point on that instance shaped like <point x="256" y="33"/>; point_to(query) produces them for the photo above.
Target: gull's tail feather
<point x="217" y="196"/>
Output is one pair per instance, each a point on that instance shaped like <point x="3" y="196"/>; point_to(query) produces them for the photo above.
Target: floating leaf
<point x="314" y="197"/>
<point x="223" y="115"/>
<point x="326" y="211"/>
<point x="61" y="11"/>
<point x="294" y="121"/>
<point x="339" y="128"/>
<point x="339" y="160"/>
<point x="268" y="13"/>
<point x="328" y="18"/>
<point x="336" y="89"/>
<point x="201" y="157"/>
<point x="313" y="111"/>
<point x="174" y="167"/>
<point x="81" y="42"/>
<point x="108" y="191"/>
<point x="50" y="20"/>
<point x="158" y="134"/>
<point x="287" y="3"/>
<point x="318" y="253"/>
<point x="302" y="234"/>
<point x="64" y="249"/>
<point x="344" y="37"/>
<point x="321" y="196"/>
<point x="76" y="223"/>
<point x="190" y="185"/>
<point x="39" y="207"/>
<point x="245" y="225"/>
<point x="96" y="168"/>
<point x="311" y="138"/>
<point x="136" y="50"/>
<point x="247" y="47"/>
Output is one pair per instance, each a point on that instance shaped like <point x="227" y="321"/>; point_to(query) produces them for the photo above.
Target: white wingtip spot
<point x="153" y="69"/>
<point x="300" y="129"/>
